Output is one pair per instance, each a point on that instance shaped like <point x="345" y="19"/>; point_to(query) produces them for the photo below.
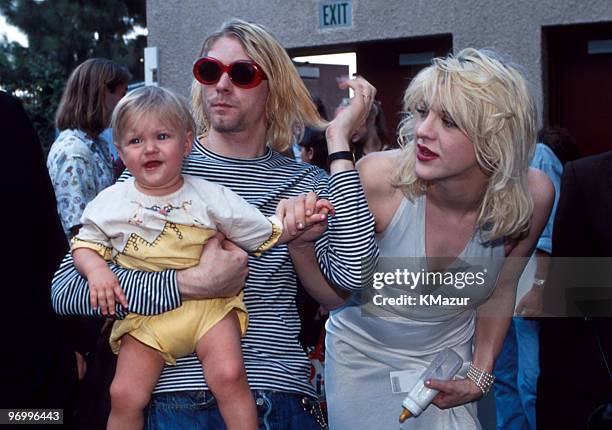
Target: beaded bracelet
<point x="483" y="380"/>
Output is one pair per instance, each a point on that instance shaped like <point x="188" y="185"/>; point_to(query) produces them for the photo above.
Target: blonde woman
<point x="459" y="187"/>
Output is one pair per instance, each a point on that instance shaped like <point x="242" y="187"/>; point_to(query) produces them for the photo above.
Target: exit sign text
<point x="336" y="14"/>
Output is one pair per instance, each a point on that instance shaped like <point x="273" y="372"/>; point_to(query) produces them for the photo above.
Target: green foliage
<point x="61" y="35"/>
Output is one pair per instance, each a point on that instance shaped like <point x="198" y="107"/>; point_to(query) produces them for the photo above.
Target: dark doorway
<point x="389" y="65"/>
<point x="579" y="91"/>
<point x="320" y="79"/>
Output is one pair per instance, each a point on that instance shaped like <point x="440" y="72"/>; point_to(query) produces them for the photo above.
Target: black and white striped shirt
<point x="273" y="357"/>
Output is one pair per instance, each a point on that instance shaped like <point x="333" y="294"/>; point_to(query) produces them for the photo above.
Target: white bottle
<point x="444" y="366"/>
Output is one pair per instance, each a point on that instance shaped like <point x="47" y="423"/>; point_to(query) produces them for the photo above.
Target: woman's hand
<point x="352" y="117"/>
<point x="454" y="393"/>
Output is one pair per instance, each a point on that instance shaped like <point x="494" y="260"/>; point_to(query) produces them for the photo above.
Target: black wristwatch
<point x="341" y="155"/>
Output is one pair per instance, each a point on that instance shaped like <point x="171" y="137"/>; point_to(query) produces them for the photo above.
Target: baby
<point x="161" y="219"/>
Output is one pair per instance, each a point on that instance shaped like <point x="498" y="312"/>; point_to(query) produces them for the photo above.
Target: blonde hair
<point x="170" y="108"/>
<point x="490" y="102"/>
<point x="82" y="105"/>
<point x="289" y="107"/>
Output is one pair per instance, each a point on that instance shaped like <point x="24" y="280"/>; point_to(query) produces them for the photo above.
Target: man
<point x="575" y="378"/>
<point x="250" y="98"/>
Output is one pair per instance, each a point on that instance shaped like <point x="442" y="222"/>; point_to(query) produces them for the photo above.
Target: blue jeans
<point x="198" y="410"/>
<point x="516" y="376"/>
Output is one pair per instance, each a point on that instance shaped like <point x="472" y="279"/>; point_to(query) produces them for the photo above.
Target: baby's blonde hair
<point x="170" y="108"/>
<point x="490" y="102"/>
<point x="289" y="107"/>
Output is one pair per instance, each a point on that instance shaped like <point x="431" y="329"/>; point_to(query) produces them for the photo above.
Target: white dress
<point x="361" y="350"/>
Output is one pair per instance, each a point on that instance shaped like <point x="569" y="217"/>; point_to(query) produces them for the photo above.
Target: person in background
<point x="38" y="368"/>
<point x="313" y="148"/>
<point x="561" y="142"/>
<point x="373" y="136"/>
<point x="312" y="134"/>
<point x="80" y="166"/>
<point x="517" y="367"/>
<point x="79" y="162"/>
<point x="575" y="385"/>
<point x="118" y="166"/>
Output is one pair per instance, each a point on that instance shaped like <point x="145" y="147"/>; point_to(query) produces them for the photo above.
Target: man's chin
<point x="225" y="126"/>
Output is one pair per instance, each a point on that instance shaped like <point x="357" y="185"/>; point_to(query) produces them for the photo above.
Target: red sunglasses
<point x="242" y="73"/>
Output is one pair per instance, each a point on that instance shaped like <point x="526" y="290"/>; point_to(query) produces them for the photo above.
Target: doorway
<point x="389" y="65"/>
<point x="578" y="97"/>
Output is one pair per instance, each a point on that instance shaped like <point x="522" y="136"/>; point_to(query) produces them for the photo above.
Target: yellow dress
<point x="154" y="233"/>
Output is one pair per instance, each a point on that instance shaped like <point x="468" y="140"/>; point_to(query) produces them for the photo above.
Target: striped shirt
<point x="273" y="357"/>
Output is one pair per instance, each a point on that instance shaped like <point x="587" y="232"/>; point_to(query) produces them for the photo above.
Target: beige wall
<point x="513" y="27"/>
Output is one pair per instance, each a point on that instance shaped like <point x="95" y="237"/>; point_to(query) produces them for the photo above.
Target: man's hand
<point x="304" y="217"/>
<point x="104" y="290"/>
<point x="221" y="272"/>
<point x="531" y="304"/>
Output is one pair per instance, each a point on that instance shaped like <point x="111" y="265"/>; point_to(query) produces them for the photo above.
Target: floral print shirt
<point x="80" y="167"/>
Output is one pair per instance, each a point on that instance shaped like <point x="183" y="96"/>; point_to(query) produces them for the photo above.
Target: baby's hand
<point x="323" y="207"/>
<point x="104" y="291"/>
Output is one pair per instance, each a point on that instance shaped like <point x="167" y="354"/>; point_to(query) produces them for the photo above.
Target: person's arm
<point x="239" y="221"/>
<point x="494" y="316"/>
<point x="350" y="119"/>
<point x="346" y="253"/>
<point x="375" y="171"/>
<point x="318" y="287"/>
<point x="221" y="272"/>
<point x="532" y="303"/>
<point x="148" y="293"/>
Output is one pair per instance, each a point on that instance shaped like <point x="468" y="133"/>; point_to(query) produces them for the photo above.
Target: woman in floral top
<point x="80" y="164"/>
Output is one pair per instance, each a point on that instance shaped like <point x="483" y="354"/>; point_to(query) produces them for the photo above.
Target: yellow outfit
<point x="154" y="233"/>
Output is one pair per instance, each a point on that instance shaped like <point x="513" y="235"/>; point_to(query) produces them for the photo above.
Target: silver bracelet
<point x="483" y="380"/>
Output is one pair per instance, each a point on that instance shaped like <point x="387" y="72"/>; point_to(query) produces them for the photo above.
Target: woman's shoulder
<point x="377" y="170"/>
<point x="73" y="142"/>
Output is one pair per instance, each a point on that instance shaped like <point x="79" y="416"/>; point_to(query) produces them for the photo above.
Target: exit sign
<point x="335" y="14"/>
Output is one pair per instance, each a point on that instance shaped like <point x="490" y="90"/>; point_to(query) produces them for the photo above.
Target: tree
<point x="61" y="35"/>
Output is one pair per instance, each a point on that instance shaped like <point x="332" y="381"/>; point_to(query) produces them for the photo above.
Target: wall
<point x="177" y="28"/>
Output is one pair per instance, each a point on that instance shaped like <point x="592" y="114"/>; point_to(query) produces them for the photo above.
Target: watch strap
<point x="341" y="155"/>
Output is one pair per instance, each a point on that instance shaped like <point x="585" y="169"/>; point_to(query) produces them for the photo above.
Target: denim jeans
<point x="516" y="372"/>
<point x="198" y="410"/>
